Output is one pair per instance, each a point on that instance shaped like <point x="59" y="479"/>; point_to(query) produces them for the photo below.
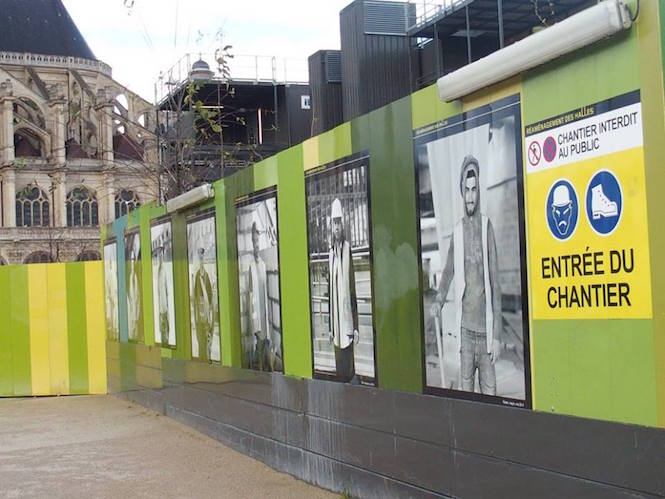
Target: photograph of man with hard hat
<point x="111" y="289"/>
<point x="162" y="283"/>
<point x="342" y="295"/>
<point x="258" y="281"/>
<point x="134" y="286"/>
<point x="472" y="256"/>
<point x="203" y="297"/>
<point x="339" y="241"/>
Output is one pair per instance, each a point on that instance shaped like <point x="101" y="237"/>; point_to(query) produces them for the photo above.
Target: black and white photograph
<point x="258" y="281"/>
<point x="161" y="247"/>
<point x="203" y="296"/>
<point x="471" y="218"/>
<point x="111" y="289"/>
<point x="134" y="283"/>
<point x="340" y="271"/>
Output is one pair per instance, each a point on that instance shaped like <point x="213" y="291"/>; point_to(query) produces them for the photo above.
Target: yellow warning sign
<point x="587" y="215"/>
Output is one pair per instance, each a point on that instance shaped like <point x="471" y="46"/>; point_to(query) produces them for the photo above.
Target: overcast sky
<point x="150" y="37"/>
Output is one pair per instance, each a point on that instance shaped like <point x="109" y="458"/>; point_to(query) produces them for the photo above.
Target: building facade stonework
<point x="76" y="151"/>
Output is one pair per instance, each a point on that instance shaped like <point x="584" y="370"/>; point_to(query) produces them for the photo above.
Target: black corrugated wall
<point x="326" y="92"/>
<point x="375" y="67"/>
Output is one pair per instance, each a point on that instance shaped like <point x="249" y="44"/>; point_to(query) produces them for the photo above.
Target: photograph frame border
<point x="346" y="163"/>
<point x="468" y="120"/>
<point x="194" y="216"/>
<point x="246" y="200"/>
<point x="153" y="223"/>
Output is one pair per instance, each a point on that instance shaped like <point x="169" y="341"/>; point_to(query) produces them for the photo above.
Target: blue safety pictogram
<point x="604" y="202"/>
<point x="562" y="209"/>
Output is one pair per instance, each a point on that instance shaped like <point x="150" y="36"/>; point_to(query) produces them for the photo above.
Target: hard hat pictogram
<point x="562" y="209"/>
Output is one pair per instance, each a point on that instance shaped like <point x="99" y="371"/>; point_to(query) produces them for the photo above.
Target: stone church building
<point x="76" y="147"/>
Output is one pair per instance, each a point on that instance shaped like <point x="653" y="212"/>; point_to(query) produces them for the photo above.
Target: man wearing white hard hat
<point x="343" y="304"/>
<point x="472" y="268"/>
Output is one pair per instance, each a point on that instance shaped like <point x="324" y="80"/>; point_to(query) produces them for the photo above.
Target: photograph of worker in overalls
<point x="203" y="296"/>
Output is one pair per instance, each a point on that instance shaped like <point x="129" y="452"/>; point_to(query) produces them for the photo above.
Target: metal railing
<point x="350" y="187"/>
<point x="428" y="10"/>
<point x="243" y="68"/>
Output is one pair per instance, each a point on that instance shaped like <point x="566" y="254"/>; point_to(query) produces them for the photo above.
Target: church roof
<point x="40" y="27"/>
<point x="125" y="148"/>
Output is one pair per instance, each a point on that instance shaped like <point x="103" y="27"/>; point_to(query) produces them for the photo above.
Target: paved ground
<point x="106" y="447"/>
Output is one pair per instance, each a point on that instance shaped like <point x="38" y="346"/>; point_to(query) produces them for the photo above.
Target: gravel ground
<point x="106" y="447"/>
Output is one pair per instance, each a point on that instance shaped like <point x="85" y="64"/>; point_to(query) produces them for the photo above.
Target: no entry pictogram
<point x="534" y="153"/>
<point x="549" y="149"/>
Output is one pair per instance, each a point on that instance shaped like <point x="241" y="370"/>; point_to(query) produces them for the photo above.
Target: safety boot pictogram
<point x="601" y="205"/>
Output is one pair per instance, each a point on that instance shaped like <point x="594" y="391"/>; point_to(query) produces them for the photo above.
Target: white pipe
<point x="190" y="198"/>
<point x="582" y="29"/>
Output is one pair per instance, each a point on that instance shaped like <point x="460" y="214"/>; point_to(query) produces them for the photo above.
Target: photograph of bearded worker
<point x="343" y="303"/>
<point x="259" y="308"/>
<point x="203" y="308"/>
<point x="472" y="269"/>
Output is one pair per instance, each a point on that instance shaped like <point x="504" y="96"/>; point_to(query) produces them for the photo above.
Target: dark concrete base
<point x="378" y="444"/>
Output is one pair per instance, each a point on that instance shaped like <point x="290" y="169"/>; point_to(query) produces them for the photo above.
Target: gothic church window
<point x="125" y="201"/>
<point x="32" y="208"/>
<point x="82" y="208"/>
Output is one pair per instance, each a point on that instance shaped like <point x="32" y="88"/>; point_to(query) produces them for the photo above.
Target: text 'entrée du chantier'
<point x="589" y="264"/>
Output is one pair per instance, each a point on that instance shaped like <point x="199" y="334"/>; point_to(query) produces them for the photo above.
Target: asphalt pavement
<point x="81" y="447"/>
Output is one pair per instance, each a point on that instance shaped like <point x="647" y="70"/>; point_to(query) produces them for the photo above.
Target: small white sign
<point x="305" y="102"/>
<point x="587" y="138"/>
